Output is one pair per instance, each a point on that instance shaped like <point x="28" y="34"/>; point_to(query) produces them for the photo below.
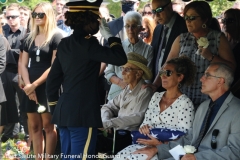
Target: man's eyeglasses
<point x="128" y="69"/>
<point x="13" y="17"/>
<point x="207" y="75"/>
<point x="160" y="9"/>
<point x="190" y="18"/>
<point x="228" y="20"/>
<point x="40" y="15"/>
<point x="131" y="26"/>
<point x="146" y="13"/>
<point x="167" y="73"/>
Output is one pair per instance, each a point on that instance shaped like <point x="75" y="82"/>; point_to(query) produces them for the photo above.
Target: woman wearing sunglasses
<point x="147" y="10"/>
<point x="215" y="47"/>
<point x="40" y="46"/>
<point x="171" y="109"/>
<point x="231" y="25"/>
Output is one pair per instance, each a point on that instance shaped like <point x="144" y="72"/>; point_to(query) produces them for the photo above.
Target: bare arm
<point x="103" y="66"/>
<point x="225" y="53"/>
<point x="118" y="81"/>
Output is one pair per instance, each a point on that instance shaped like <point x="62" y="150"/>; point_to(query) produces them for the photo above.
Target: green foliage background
<point x="29" y="3"/>
<point x="218" y="7"/>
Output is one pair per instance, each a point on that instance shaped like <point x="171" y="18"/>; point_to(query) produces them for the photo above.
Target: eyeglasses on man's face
<point x="128" y="69"/>
<point x="160" y="9"/>
<point x="190" y="18"/>
<point x="131" y="26"/>
<point x="208" y="75"/>
<point x="12" y="17"/>
<point x="228" y="20"/>
<point x="39" y="15"/>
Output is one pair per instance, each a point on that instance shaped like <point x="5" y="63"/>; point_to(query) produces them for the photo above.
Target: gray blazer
<point x="2" y="65"/>
<point x="227" y="121"/>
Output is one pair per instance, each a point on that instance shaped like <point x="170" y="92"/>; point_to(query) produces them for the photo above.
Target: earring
<point x="204" y="25"/>
<point x="179" y="85"/>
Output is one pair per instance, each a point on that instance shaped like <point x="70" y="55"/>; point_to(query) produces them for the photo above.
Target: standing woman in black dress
<point x="76" y="67"/>
<point x="41" y="47"/>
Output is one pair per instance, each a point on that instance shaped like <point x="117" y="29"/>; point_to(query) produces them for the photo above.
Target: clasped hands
<point x="205" y="52"/>
<point x="29" y="90"/>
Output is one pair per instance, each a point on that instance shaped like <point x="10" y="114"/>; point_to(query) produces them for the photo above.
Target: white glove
<point x="104" y="29"/>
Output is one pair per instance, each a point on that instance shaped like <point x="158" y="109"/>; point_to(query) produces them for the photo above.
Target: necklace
<point x="38" y="54"/>
<point x="38" y="41"/>
<point x="168" y="101"/>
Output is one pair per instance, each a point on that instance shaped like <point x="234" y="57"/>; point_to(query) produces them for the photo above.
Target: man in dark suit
<point x="215" y="132"/>
<point x="13" y="32"/>
<point x="175" y="25"/>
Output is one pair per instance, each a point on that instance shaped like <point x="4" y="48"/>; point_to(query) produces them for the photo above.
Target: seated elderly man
<point x="216" y="132"/>
<point x="133" y="43"/>
<point x="126" y="111"/>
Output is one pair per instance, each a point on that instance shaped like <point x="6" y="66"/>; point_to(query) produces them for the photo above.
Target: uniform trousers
<point x="78" y="143"/>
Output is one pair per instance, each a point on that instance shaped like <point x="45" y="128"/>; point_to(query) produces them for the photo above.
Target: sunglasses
<point x="207" y="75"/>
<point x="190" y="18"/>
<point x="167" y="73"/>
<point x="128" y="69"/>
<point x="160" y="9"/>
<point x="40" y="15"/>
<point x="228" y="20"/>
<point x="13" y="17"/>
<point x="147" y="13"/>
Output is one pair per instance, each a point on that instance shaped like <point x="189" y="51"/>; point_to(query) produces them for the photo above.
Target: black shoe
<point x="4" y="139"/>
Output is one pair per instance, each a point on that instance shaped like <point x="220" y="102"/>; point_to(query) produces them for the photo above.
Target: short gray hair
<point x="133" y="16"/>
<point x="224" y="71"/>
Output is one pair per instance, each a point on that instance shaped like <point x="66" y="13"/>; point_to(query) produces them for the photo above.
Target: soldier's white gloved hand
<point x="104" y="29"/>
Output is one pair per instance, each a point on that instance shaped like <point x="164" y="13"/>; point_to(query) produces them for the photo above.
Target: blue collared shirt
<point x="217" y="105"/>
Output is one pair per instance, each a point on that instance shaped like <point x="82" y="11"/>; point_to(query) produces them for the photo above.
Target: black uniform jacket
<point x="77" y="67"/>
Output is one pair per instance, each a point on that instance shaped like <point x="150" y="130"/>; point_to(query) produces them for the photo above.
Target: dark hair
<point x="87" y="21"/>
<point x="3" y="7"/>
<point x="236" y="15"/>
<point x="185" y="66"/>
<point x="215" y="25"/>
<point x="202" y="8"/>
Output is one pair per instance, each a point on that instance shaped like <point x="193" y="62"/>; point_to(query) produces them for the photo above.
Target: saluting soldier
<point x="76" y="67"/>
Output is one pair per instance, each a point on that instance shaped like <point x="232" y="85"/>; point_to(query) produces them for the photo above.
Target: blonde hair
<point x="150" y="24"/>
<point x="50" y="26"/>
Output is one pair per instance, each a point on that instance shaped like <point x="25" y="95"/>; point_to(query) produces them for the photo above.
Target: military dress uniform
<point x="76" y="68"/>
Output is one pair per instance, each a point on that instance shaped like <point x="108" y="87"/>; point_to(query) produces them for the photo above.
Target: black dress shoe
<point x="4" y="139"/>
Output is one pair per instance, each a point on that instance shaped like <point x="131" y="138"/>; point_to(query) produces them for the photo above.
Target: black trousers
<point x="105" y="144"/>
